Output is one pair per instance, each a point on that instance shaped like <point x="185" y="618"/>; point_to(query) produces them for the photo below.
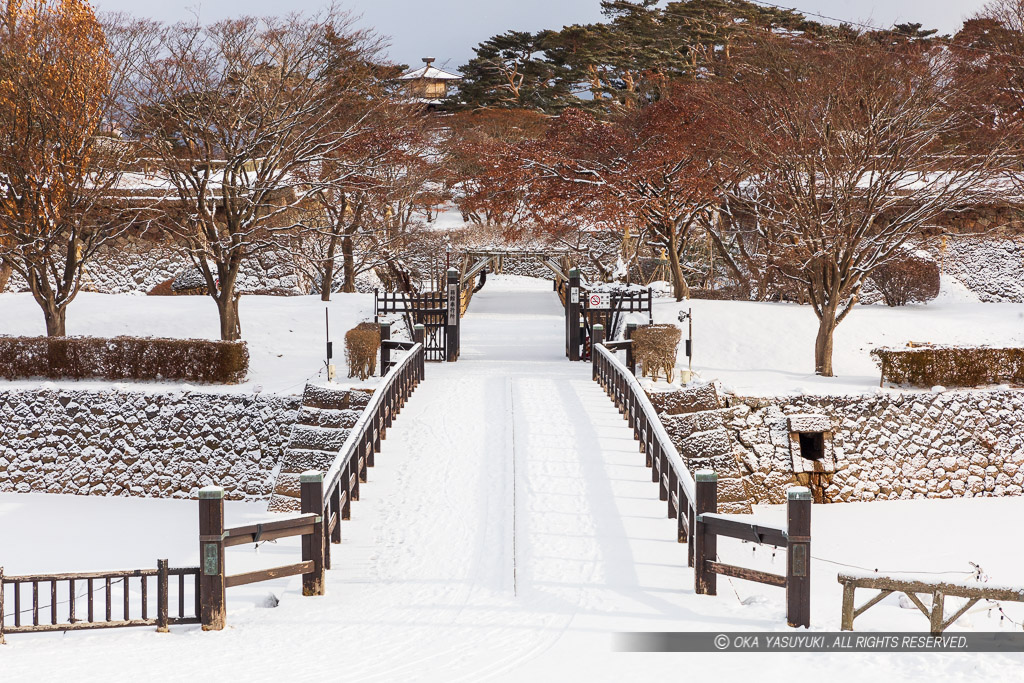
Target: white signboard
<point x="600" y="300"/>
<point x="574" y="295"/>
<point x="453" y="304"/>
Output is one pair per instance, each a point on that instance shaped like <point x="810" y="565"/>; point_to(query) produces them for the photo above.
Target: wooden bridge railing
<point x="693" y="500"/>
<point x="326" y="499"/>
<point x="88" y="600"/>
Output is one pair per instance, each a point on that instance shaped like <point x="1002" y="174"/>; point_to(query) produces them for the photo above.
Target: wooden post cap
<point x="419" y="326"/>
<point x="798" y="493"/>
<point x="705" y="475"/>
<point x="387" y="325"/>
<point x="574" y="272"/>
<point x="598" y="326"/>
<point x="211" y="493"/>
<point x="453" y="273"/>
<point x="311" y="477"/>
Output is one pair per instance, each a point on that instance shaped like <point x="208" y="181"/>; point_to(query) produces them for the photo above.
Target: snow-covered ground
<point x="767" y="349"/>
<point x="508" y="531"/>
<point x="286" y="335"/>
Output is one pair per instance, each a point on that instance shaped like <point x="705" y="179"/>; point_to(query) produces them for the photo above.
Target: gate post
<point x="572" y="315"/>
<point x="630" y="356"/>
<point x="452" y="321"/>
<point x="211" y="558"/>
<point x="798" y="556"/>
<point x="385" y="351"/>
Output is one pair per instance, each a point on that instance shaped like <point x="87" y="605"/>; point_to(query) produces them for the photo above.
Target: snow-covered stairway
<point x="323" y="423"/>
<point x="696" y="420"/>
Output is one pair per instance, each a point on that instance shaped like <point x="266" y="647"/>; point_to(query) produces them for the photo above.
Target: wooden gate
<point x="438" y="312"/>
<point x="585" y="308"/>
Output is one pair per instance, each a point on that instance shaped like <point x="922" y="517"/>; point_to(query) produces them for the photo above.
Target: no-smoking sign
<point x="599" y="300"/>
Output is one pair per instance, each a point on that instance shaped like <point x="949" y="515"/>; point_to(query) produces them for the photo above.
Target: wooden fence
<point x="87" y="600"/>
<point x="693" y="500"/>
<point x="326" y="499"/>
<point x="913" y="589"/>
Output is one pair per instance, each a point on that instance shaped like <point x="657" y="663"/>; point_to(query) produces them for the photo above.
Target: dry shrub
<point x="951" y="366"/>
<point x="909" y="278"/>
<point x="362" y="343"/>
<point x="117" y="358"/>
<point x="655" y="348"/>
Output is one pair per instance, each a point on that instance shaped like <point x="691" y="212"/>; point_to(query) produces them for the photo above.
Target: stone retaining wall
<point x="891" y="445"/>
<point x="133" y="443"/>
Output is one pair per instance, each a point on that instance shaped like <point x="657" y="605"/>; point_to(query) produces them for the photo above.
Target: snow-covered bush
<point x="951" y="366"/>
<point x="911" y="277"/>
<point x="132" y="358"/>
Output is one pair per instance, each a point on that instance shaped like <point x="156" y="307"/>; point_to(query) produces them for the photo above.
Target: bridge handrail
<point x="373" y="411"/>
<point x="644" y="404"/>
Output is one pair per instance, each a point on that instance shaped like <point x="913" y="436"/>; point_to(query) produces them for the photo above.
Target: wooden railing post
<point x="453" y="317"/>
<point x="162" y="579"/>
<point x="798" y="557"/>
<point x="419" y="336"/>
<point x="705" y="543"/>
<point x="311" y="485"/>
<point x="2" y="606"/>
<point x="630" y="356"/>
<point x="211" y="558"/>
<point x="385" y="352"/>
<point x="572" y="312"/>
<point x="597" y="338"/>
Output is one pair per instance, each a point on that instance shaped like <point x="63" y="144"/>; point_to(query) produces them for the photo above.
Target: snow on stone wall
<point x="889" y="446"/>
<point x="121" y="443"/>
<point x="992" y="268"/>
<point x="138" y="264"/>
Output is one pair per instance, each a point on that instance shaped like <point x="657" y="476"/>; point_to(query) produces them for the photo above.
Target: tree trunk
<point x="823" y="343"/>
<point x="55" y="319"/>
<point x="5" y="274"/>
<point x="679" y="288"/>
<point x="227" y="307"/>
<point x="348" y="265"/>
<point x="326" y="279"/>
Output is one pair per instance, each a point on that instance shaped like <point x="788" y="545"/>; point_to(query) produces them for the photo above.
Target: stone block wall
<point x="887" y="446"/>
<point x="134" y="443"/>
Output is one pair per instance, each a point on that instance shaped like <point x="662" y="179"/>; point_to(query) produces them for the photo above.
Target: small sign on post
<point x="601" y="300"/>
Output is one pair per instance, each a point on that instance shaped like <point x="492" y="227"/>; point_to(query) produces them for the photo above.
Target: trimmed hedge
<point x="952" y="366"/>
<point x="118" y="358"/>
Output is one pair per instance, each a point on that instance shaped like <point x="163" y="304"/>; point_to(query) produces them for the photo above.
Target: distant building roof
<point x="429" y="72"/>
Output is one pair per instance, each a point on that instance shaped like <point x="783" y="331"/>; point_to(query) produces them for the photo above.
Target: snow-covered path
<point x="511" y="503"/>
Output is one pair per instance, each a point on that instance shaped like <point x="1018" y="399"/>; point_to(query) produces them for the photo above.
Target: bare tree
<point x="231" y="114"/>
<point x="59" y="159"/>
<point x="847" y="152"/>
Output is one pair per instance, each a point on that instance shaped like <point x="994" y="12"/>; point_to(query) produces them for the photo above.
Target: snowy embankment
<point x="767" y="349"/>
<point x="286" y="335"/>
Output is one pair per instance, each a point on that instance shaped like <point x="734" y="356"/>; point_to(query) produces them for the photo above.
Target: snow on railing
<point x="380" y="410"/>
<point x="652" y="419"/>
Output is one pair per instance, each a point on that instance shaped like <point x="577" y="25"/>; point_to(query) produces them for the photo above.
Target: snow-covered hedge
<point x="952" y="366"/>
<point x="136" y="443"/>
<point x="136" y="358"/>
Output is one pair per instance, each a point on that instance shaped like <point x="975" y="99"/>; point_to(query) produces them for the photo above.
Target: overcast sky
<point x="449" y="29"/>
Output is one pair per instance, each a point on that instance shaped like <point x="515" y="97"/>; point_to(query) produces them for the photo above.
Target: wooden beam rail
<point x="913" y="589"/>
<point x="745" y="531"/>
